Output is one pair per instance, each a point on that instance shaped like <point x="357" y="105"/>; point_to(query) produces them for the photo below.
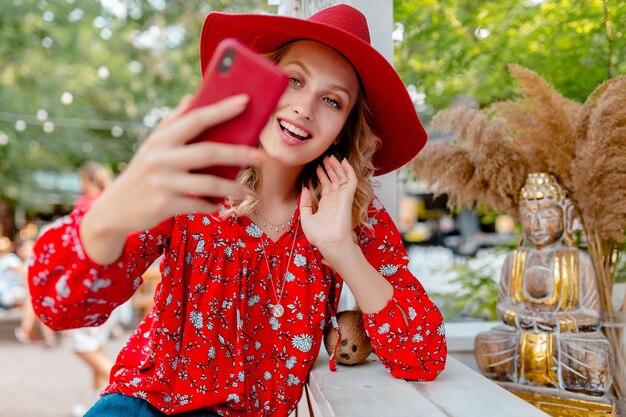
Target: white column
<point x="379" y="14"/>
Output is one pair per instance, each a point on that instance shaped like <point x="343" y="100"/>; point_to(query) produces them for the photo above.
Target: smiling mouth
<point x="293" y="131"/>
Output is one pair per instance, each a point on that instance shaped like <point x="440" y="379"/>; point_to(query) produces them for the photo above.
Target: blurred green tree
<point x="457" y="50"/>
<point x="88" y="80"/>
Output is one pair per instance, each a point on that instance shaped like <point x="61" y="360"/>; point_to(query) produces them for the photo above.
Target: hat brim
<point x="393" y="116"/>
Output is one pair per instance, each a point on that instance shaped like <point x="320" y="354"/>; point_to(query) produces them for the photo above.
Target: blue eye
<point x="295" y="81"/>
<point x="332" y="102"/>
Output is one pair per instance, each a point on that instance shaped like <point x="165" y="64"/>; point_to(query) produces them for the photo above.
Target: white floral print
<point x="302" y="342"/>
<point x="212" y="335"/>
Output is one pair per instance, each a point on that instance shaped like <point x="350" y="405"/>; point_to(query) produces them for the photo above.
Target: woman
<point x="94" y="179"/>
<point x="88" y="343"/>
<point x="246" y="293"/>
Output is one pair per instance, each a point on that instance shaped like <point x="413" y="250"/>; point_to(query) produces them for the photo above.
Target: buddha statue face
<point x="542" y="222"/>
<point x="542" y="209"/>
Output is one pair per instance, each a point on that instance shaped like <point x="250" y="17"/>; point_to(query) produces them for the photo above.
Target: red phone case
<point x="236" y="69"/>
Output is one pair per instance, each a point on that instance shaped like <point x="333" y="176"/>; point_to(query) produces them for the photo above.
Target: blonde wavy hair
<point x="356" y="142"/>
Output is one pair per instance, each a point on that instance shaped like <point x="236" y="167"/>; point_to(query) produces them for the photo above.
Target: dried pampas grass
<point x="453" y="171"/>
<point x="583" y="146"/>
<point x="543" y="124"/>
<point x="469" y="170"/>
<point x="600" y="174"/>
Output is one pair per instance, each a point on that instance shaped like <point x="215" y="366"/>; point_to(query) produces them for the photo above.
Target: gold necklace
<point x="278" y="310"/>
<point x="272" y="225"/>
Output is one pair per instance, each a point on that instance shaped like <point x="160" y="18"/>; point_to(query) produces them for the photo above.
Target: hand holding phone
<point x="159" y="182"/>
<point x="236" y="69"/>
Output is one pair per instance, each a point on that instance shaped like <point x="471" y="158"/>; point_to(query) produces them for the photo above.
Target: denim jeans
<point x="118" y="405"/>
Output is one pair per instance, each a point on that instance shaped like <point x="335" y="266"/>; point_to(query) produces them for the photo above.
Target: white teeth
<point x="293" y="129"/>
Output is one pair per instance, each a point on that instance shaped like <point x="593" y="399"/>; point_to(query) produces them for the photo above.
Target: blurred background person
<point x="94" y="179"/>
<point x="31" y="329"/>
<point x="12" y="290"/>
<point x="88" y="343"/>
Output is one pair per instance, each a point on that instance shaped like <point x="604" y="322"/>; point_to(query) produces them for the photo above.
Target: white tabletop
<point x="369" y="390"/>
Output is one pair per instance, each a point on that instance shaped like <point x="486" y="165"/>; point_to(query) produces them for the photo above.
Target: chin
<point x="542" y="242"/>
<point x="288" y="161"/>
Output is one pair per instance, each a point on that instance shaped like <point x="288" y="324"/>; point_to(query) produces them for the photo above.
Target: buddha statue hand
<point x="523" y="319"/>
<point x="543" y="321"/>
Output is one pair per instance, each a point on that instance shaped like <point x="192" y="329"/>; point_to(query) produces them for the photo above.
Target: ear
<point x="570" y="214"/>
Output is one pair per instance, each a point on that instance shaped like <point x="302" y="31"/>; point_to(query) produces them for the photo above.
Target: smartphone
<point x="236" y="69"/>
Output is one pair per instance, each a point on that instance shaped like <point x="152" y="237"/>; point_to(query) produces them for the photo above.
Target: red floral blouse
<point x="211" y="340"/>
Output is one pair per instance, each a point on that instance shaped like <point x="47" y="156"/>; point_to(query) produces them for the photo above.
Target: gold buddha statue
<point x="548" y="299"/>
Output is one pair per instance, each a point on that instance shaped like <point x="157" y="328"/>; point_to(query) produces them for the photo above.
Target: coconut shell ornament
<point x="354" y="346"/>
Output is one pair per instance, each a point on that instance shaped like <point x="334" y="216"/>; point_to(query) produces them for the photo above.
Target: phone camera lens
<point x="227" y="60"/>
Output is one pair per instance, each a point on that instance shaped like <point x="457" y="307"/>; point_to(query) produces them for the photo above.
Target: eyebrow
<point x="331" y="87"/>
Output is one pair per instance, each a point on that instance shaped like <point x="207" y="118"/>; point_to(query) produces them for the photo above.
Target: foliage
<point x="125" y="64"/>
<point x="455" y="50"/>
<point x="475" y="295"/>
<point x="102" y="55"/>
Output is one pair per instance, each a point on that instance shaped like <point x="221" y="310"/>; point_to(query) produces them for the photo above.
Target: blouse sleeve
<point x="408" y="334"/>
<point x="69" y="290"/>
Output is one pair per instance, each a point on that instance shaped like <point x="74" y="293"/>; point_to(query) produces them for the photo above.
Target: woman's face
<point x="322" y="90"/>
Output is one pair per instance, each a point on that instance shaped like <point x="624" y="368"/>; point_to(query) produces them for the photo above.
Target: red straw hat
<point x="344" y="29"/>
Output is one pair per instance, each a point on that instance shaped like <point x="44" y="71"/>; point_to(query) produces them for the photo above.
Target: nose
<point x="303" y="106"/>
<point x="535" y="222"/>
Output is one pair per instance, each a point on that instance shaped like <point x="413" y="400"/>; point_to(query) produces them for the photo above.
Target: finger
<point x="203" y="185"/>
<point x="306" y="204"/>
<point x="182" y="107"/>
<point x="324" y="180"/>
<point x="206" y="154"/>
<point x="191" y="124"/>
<point x="350" y="173"/>
<point x="339" y="170"/>
<point x="334" y="178"/>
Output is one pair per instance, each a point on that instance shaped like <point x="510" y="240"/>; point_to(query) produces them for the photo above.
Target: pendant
<point x="278" y="311"/>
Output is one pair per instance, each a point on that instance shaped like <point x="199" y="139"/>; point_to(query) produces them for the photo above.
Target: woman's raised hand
<point x="330" y="228"/>
<point x="158" y="182"/>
